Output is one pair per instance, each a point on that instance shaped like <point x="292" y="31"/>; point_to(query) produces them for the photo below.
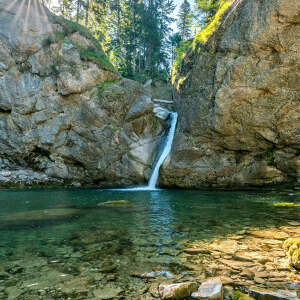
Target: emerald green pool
<point x="53" y="239"/>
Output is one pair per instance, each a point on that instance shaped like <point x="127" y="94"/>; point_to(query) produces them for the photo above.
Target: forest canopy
<point x="138" y="35"/>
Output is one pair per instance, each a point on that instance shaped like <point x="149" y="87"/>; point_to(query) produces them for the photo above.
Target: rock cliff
<point x="66" y="116"/>
<point x="238" y="100"/>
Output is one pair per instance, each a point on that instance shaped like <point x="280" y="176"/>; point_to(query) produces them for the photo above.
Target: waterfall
<point x="166" y="150"/>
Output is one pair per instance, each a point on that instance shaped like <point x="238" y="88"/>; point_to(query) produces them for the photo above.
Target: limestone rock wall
<point x="238" y="99"/>
<point x="66" y="116"/>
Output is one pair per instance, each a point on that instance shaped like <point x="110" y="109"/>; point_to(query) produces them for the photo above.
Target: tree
<point x="134" y="33"/>
<point x="207" y="10"/>
<point x="185" y="20"/>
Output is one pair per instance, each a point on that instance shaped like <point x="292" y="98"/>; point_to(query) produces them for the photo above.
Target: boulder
<point x="210" y="289"/>
<point x="176" y="290"/>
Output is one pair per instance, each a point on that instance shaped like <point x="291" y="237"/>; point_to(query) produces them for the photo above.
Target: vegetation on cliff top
<point x="93" y="53"/>
<point x="214" y="19"/>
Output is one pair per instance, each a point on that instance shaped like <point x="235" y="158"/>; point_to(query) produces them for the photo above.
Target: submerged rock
<point x="45" y="214"/>
<point x="115" y="203"/>
<point x="210" y="289"/>
<point x="176" y="290"/>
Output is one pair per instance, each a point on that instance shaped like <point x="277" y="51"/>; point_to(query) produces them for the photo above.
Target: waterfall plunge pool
<point x="69" y="244"/>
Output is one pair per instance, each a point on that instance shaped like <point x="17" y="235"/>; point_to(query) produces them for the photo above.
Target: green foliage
<point x="105" y="85"/>
<point x="70" y="27"/>
<point x="53" y="38"/>
<point x="93" y="53"/>
<point x="270" y="157"/>
<point x="134" y="33"/>
<point x="185" y="20"/>
<point x="219" y="7"/>
<point x="180" y="52"/>
<point x="203" y="35"/>
<point x="54" y="70"/>
<point x="237" y="295"/>
<point x="98" y="58"/>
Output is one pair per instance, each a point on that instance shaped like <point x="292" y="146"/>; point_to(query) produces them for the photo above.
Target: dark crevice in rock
<point x="36" y="157"/>
<point x="5" y="111"/>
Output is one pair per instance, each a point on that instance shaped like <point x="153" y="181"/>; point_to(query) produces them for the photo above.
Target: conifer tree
<point x="185" y="20"/>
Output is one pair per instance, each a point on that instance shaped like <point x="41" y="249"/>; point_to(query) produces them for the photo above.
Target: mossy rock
<point x="293" y="251"/>
<point x="237" y="295"/>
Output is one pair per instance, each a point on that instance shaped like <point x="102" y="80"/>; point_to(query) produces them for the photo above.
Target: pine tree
<point x="185" y="20"/>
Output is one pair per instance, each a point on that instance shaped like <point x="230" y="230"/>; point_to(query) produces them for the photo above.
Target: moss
<point x="285" y="204"/>
<point x="98" y="58"/>
<point x="293" y="251"/>
<point x="237" y="295"/>
<point x="270" y="157"/>
<point x="203" y="35"/>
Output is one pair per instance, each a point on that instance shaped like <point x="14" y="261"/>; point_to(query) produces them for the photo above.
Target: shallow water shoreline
<point x="87" y="244"/>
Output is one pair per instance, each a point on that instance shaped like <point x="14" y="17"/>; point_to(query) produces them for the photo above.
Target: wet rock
<point x="210" y="289"/>
<point x="265" y="294"/>
<point x="176" y="290"/>
<point x="293" y="251"/>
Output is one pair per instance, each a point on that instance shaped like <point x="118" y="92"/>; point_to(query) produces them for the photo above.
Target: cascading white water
<point x="166" y="150"/>
<point x="167" y="145"/>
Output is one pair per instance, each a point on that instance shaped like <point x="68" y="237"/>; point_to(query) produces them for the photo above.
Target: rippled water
<point x="51" y="238"/>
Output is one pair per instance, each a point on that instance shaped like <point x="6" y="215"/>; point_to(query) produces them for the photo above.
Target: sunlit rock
<point x="176" y="290"/>
<point x="211" y="289"/>
<point x="266" y="294"/>
<point x="292" y="245"/>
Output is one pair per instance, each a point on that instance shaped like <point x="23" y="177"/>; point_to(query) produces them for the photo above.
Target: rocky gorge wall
<point x="66" y="116"/>
<point x="238" y="101"/>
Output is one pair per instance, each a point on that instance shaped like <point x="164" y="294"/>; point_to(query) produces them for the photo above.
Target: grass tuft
<point x="98" y="58"/>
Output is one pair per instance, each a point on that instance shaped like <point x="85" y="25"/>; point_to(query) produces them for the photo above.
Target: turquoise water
<point x="60" y="244"/>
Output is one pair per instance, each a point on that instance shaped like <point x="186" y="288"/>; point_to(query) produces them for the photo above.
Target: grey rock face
<point x="238" y="101"/>
<point x="64" y="119"/>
